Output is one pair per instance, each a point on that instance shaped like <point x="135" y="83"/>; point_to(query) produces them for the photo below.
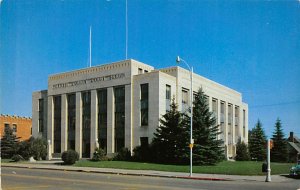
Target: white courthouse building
<point x="119" y="105"/>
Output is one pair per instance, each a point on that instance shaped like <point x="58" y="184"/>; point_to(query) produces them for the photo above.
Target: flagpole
<point x="126" y="32"/>
<point x="90" y="46"/>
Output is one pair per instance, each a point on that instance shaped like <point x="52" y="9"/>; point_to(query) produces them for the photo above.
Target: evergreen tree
<point x="279" y="151"/>
<point x="170" y="142"/>
<point x="208" y="149"/>
<point x="257" y="143"/>
<point x="9" y="143"/>
<point x="24" y="149"/>
<point x="242" y="153"/>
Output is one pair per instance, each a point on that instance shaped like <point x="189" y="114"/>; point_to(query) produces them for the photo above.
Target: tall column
<point x="110" y="121"/>
<point x="64" y="123"/>
<point x="233" y="124"/>
<point x="94" y="121"/>
<point x="50" y="127"/>
<point x="128" y="118"/>
<point x="78" y="126"/>
<point x="210" y="103"/>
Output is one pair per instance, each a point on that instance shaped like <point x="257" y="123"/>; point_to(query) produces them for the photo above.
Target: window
<point x="41" y="115"/>
<point x="145" y="71"/>
<point x="140" y="71"/>
<point x="119" y="117"/>
<point x="168" y="97"/>
<point x="206" y="99"/>
<point x="144" y="104"/>
<point x="57" y="124"/>
<point x="236" y="115"/>
<point x="222" y="112"/>
<point x="86" y="123"/>
<point x="168" y="92"/>
<point x="144" y="141"/>
<point x="215" y="108"/>
<point x="14" y="127"/>
<point x="195" y="95"/>
<point x="41" y="125"/>
<point x="102" y="118"/>
<point x="229" y="114"/>
<point x="244" y="123"/>
<point x="185" y="98"/>
<point x="230" y="127"/>
<point x="6" y="126"/>
<point x="41" y="104"/>
<point x="71" y="98"/>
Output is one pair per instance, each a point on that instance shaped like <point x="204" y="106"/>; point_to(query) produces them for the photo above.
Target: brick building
<point x="20" y="125"/>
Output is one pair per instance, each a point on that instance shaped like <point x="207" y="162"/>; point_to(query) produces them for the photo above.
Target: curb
<point x="119" y="173"/>
<point x="206" y="178"/>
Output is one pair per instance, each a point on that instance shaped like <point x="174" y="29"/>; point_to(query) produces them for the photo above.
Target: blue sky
<point x="250" y="46"/>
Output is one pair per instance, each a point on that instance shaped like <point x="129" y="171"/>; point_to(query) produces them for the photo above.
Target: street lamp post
<point x="268" y="177"/>
<point x="178" y="60"/>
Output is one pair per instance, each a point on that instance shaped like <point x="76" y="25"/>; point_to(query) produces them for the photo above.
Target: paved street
<point x="22" y="178"/>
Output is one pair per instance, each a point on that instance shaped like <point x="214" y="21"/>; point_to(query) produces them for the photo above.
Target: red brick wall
<point x="23" y="125"/>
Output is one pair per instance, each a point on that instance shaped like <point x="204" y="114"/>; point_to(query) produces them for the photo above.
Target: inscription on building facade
<point x="88" y="81"/>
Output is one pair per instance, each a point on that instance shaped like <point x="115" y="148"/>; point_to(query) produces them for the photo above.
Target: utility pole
<point x="268" y="178"/>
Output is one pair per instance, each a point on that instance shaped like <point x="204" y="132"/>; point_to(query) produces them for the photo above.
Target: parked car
<point x="295" y="170"/>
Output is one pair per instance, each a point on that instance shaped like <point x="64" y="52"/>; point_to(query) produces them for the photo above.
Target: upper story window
<point x="229" y="114"/>
<point x="185" y="96"/>
<point x="222" y="118"/>
<point x="14" y="127"/>
<point x="184" y="100"/>
<point x="41" y="115"/>
<point x="206" y="99"/>
<point x="6" y="126"/>
<point x="144" y="104"/>
<point x="168" y="97"/>
<point x="168" y="92"/>
<point x="140" y="71"/>
<point x="236" y="115"/>
<point x="144" y="141"/>
<point x="41" y="107"/>
<point x="215" y="107"/>
<point x="244" y="118"/>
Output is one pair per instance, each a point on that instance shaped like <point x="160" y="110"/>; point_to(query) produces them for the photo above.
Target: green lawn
<point x="5" y="160"/>
<point x="226" y="167"/>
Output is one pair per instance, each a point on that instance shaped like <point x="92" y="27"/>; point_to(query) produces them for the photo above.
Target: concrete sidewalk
<point x="54" y="165"/>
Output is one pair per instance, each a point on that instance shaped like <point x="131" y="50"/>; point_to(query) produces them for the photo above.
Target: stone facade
<point x="119" y="105"/>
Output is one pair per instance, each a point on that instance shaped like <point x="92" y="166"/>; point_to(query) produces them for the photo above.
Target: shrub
<point x="123" y="155"/>
<point x="142" y="154"/>
<point x="38" y="148"/>
<point x="17" y="158"/>
<point x="24" y="149"/>
<point x="99" y="155"/>
<point x="70" y="157"/>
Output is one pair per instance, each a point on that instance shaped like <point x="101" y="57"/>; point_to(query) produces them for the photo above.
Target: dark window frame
<point x="144" y="102"/>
